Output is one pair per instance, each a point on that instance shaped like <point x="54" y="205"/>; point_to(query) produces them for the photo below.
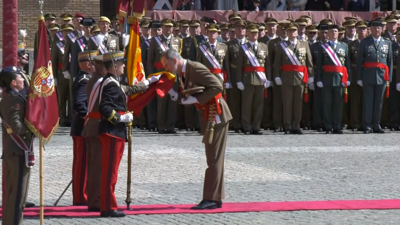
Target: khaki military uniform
<point x="292" y="82"/>
<point x="111" y="42"/>
<point x="253" y="93"/>
<point x="63" y="90"/>
<point x="197" y="74"/>
<point x="166" y="108"/>
<point x="15" y="172"/>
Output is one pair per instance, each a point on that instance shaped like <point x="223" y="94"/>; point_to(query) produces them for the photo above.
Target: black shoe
<point x="379" y="131"/>
<point x="113" y="213"/>
<point x="29" y="205"/>
<point x="94" y="209"/>
<point x="171" y="132"/>
<point x="297" y="132"/>
<point x="328" y="132"/>
<point x="337" y="131"/>
<point x="367" y="131"/>
<point x="246" y="132"/>
<point x="256" y="132"/>
<point x="205" y="204"/>
<point x="238" y="131"/>
<point x="162" y="131"/>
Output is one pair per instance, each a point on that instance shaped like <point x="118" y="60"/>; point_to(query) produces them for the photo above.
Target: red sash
<point x="382" y="66"/>
<point x="206" y="106"/>
<point x="215" y="70"/>
<point x="97" y="115"/>
<point x="295" y="68"/>
<point x="249" y="69"/>
<point x="337" y="69"/>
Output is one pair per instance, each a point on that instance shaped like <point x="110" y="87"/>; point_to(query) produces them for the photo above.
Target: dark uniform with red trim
<point x="16" y="173"/>
<point x="112" y="132"/>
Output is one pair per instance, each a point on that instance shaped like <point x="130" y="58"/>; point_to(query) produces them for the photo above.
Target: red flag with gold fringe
<point x="41" y="114"/>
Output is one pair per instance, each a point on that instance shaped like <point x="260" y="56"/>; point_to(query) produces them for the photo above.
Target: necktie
<point x="105" y="40"/>
<point x="334" y="45"/>
<point x="213" y="49"/>
<point x="254" y="47"/>
<point x="168" y="41"/>
<point x="376" y="43"/>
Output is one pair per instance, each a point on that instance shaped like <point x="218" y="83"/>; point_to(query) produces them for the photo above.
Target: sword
<point x="62" y="194"/>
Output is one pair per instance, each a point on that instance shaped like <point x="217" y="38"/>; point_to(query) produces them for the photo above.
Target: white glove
<point x="319" y="84"/>
<point x="398" y="86"/>
<point x="359" y="82"/>
<point x="228" y="85"/>
<point x="154" y="79"/>
<point x="125" y="39"/>
<point x="267" y="83"/>
<point x="348" y="83"/>
<point x="189" y="100"/>
<point x="240" y="86"/>
<point x="174" y="94"/>
<point x="66" y="74"/>
<point x="278" y="81"/>
<point x="126" y="118"/>
<point x="310" y="80"/>
<point x="311" y="86"/>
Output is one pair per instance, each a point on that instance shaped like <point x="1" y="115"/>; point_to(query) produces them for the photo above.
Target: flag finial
<point x="41" y="6"/>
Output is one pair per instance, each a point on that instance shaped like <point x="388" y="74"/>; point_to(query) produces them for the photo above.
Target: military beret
<point x="67" y="27"/>
<point x="66" y="16"/>
<point x="87" y="55"/>
<point x="104" y="19"/>
<point x="79" y="15"/>
<point x="292" y="26"/>
<point x="94" y="30"/>
<point x="391" y="19"/>
<point x="7" y="75"/>
<point x="235" y="16"/>
<point x="87" y="22"/>
<point x="252" y="28"/>
<point x="349" y="23"/>
<point x="194" y="23"/>
<point x="271" y="20"/>
<point x="114" y="56"/>
<point x="49" y="16"/>
<point x="184" y="23"/>
<point x="361" y="24"/>
<point x="54" y="27"/>
<point x="208" y="20"/>
<point x="167" y="22"/>
<point x="155" y="24"/>
<point x="213" y="27"/>
<point x="311" y="28"/>
<point x="326" y="21"/>
<point x="301" y="22"/>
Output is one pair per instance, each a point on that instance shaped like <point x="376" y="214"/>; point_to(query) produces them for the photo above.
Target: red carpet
<point x="81" y="211"/>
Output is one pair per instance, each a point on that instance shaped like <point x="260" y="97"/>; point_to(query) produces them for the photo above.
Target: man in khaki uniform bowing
<point x="254" y="70"/>
<point x="214" y="112"/>
<point x="166" y="107"/>
<point x="292" y="70"/>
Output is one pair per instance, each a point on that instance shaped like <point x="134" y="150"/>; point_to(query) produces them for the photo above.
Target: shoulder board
<point x="110" y="80"/>
<point x="84" y="77"/>
<point x="385" y="38"/>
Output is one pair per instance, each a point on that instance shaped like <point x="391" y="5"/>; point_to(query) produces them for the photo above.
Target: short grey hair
<point x="171" y="54"/>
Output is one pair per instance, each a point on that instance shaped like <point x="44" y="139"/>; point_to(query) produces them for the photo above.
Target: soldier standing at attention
<point x="166" y="107"/>
<point x="332" y="75"/>
<point x="234" y="93"/>
<point x="62" y="83"/>
<point x="48" y="19"/>
<point x="374" y="73"/>
<point x="201" y="38"/>
<point x="292" y="71"/>
<point x="276" y="89"/>
<point x="355" y="91"/>
<point x="53" y="29"/>
<point x="17" y="167"/>
<point x="104" y="41"/>
<point x="252" y="78"/>
<point x="212" y="109"/>
<point x="80" y="106"/>
<point x="394" y="96"/>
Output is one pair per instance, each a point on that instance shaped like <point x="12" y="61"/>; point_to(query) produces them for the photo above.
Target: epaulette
<point x="385" y="38"/>
<point x="83" y="78"/>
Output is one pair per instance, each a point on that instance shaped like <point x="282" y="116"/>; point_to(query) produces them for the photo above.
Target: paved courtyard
<point x="272" y="167"/>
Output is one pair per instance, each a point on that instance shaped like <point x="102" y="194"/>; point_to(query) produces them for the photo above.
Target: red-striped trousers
<point x="79" y="171"/>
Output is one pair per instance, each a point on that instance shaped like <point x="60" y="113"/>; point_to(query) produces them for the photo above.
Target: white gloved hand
<point x="174" y="94"/>
<point x="278" y="81"/>
<point x="154" y="79"/>
<point x="240" y="86"/>
<point x="398" y="86"/>
<point x="348" y="83"/>
<point x="228" y="85"/>
<point x="359" y="82"/>
<point x="189" y="100"/>
<point x="319" y="84"/>
<point x="125" y="39"/>
<point x="66" y="74"/>
<point x="126" y="118"/>
<point x="310" y="80"/>
<point x="311" y="86"/>
<point x="267" y="84"/>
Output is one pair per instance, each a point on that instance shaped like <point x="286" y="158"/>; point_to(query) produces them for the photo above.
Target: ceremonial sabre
<point x="62" y="194"/>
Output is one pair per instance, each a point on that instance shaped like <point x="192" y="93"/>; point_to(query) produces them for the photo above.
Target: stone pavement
<point x="272" y="167"/>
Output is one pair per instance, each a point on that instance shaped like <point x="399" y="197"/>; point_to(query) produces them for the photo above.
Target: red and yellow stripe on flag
<point x="135" y="70"/>
<point x="159" y="88"/>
